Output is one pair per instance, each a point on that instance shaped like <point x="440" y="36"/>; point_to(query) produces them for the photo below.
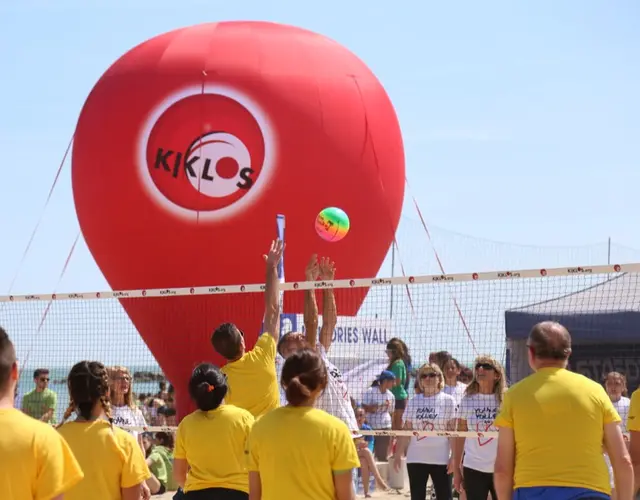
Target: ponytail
<point x="297" y="392"/>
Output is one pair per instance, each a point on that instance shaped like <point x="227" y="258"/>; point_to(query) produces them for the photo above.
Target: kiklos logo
<point x="206" y="150"/>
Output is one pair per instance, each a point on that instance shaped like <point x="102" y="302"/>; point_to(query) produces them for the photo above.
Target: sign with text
<point x="595" y="361"/>
<point x="357" y="337"/>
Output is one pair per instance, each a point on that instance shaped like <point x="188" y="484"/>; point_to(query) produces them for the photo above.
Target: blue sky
<point x="520" y="121"/>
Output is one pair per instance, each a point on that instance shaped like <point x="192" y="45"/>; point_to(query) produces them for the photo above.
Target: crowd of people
<point x="265" y="430"/>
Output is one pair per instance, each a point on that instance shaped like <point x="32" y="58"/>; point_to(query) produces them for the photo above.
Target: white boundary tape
<point x="344" y="283"/>
<point x="447" y="434"/>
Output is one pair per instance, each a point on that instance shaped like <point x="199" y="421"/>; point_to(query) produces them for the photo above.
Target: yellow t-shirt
<point x="213" y="444"/>
<point x="252" y="380"/>
<point x="296" y="450"/>
<point x="110" y="458"/>
<point x="35" y="462"/>
<point x="633" y="419"/>
<point x="558" y="419"/>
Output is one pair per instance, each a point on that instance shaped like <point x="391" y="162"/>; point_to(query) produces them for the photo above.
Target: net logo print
<point x="205" y="150"/>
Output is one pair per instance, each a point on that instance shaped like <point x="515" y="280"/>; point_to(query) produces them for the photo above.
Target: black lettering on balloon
<point x="176" y="165"/>
<point x="188" y="166"/>
<point x="205" y="171"/>
<point x="245" y="174"/>
<point x="161" y="159"/>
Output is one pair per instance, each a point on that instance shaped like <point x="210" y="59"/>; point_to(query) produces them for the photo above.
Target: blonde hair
<point x="427" y="368"/>
<point x="499" y="385"/>
<point x="114" y="371"/>
<point x="622" y="378"/>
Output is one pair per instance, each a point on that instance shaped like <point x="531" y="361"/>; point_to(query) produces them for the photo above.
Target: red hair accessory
<point x="211" y="388"/>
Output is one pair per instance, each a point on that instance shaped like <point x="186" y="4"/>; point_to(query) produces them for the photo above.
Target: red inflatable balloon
<point x="192" y="142"/>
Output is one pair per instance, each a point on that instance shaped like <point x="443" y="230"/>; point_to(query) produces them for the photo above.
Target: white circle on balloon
<point x="268" y="137"/>
<point x="215" y="146"/>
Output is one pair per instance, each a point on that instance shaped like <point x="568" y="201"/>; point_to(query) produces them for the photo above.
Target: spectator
<point x="378" y="402"/>
<point x="428" y="457"/>
<point x="365" y="454"/>
<point x="252" y="375"/>
<point x="279" y="466"/>
<point x="206" y="465"/>
<point x="477" y="411"/>
<point x="397" y="353"/>
<point x="452" y="386"/>
<point x="159" y="454"/>
<point x="466" y="375"/>
<point x="552" y="425"/>
<point x="41" y="402"/>
<point x="35" y="461"/>
<point x="125" y="411"/>
<point x="111" y="459"/>
<point x="162" y="392"/>
<point x="616" y="386"/>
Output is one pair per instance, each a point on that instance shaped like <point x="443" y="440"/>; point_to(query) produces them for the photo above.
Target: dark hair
<point x="227" y="340"/>
<point x="165" y="439"/>
<point x="465" y="373"/>
<point x="303" y="373"/>
<point x="40" y="371"/>
<point x="88" y="383"/>
<point x="550" y="340"/>
<point x="7" y="359"/>
<point x="162" y="385"/>
<point x="398" y="349"/>
<point x="455" y="362"/>
<point x="440" y="358"/>
<point x="207" y="386"/>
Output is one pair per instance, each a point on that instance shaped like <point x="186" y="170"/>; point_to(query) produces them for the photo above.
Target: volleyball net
<point x="467" y="315"/>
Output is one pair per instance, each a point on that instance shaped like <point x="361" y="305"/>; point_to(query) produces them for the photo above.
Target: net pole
<point x="280" y="230"/>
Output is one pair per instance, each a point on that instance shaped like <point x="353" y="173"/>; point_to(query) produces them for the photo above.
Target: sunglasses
<point x="428" y="375"/>
<point x="485" y="366"/>
<point x="44" y="380"/>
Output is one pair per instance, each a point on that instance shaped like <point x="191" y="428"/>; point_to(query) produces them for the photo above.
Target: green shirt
<point x="162" y="467"/>
<point x="400" y="371"/>
<point x="36" y="404"/>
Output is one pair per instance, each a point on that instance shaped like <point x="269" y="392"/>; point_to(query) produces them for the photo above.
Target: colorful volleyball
<point x="332" y="224"/>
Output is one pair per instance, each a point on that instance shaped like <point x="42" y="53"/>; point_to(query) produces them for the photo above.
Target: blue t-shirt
<point x="557" y="493"/>
<point x="368" y="439"/>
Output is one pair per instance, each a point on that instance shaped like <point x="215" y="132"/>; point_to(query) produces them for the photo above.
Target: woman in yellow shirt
<point x="208" y="459"/>
<point x="113" y="464"/>
<point x="297" y="451"/>
<point x="35" y="461"/>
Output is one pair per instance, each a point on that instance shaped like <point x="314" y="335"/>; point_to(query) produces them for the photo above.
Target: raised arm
<point x="311" y="273"/>
<point x="329" y="311"/>
<point x="271" y="291"/>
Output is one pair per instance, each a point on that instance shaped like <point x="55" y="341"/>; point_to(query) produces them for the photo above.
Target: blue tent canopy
<point x="608" y="311"/>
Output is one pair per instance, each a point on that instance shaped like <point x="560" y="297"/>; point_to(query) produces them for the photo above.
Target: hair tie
<point x="211" y="388"/>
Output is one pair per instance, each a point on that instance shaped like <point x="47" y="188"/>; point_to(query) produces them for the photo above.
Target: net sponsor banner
<point x="356" y="338"/>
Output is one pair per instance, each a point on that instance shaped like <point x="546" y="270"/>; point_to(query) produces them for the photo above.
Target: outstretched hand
<point x="312" y="271"/>
<point x="327" y="269"/>
<point x="275" y="253"/>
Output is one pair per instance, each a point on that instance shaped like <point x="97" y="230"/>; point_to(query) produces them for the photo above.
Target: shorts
<point x="162" y="490"/>
<point x="401" y="404"/>
<point x="216" y="494"/>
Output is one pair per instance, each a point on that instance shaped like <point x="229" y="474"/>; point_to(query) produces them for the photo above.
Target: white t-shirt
<point x="431" y="413"/>
<point x="480" y="410"/>
<point x="622" y="407"/>
<point x="385" y="401"/>
<point x="124" y="416"/>
<point x="457" y="391"/>
<point x="336" y="399"/>
<point x="279" y="365"/>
